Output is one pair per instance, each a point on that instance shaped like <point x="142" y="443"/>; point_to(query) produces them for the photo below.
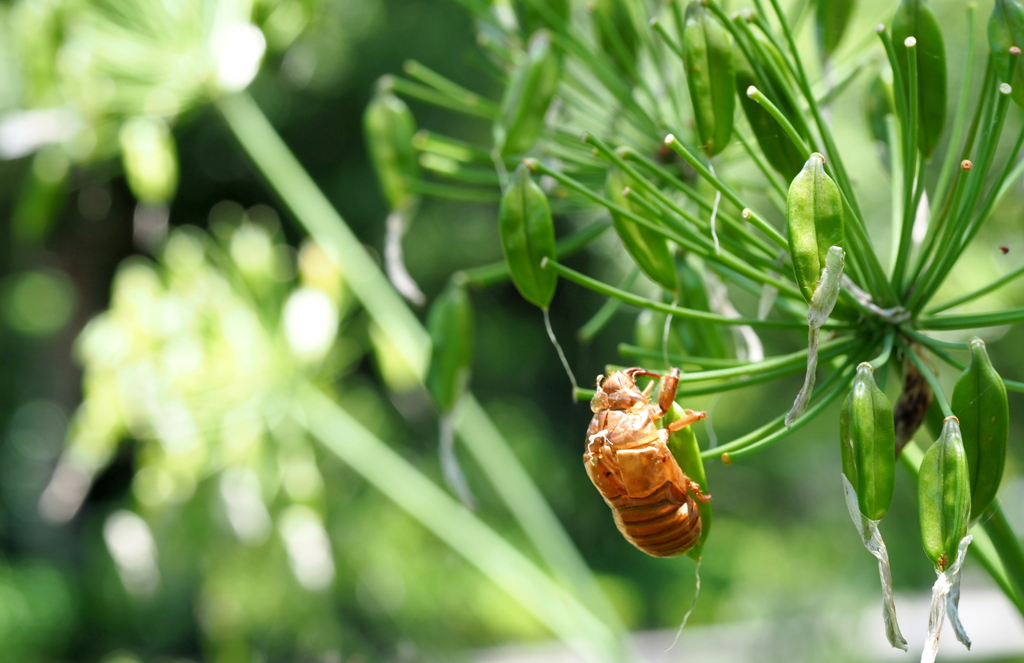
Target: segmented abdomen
<point x="666" y="523"/>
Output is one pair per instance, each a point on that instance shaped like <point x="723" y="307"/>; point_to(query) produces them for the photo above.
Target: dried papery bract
<point x="915" y="399"/>
<point x="821" y="305"/>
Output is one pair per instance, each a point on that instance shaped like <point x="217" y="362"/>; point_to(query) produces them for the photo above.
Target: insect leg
<point x="695" y="489"/>
<point x="667" y="395"/>
<point x="690" y="418"/>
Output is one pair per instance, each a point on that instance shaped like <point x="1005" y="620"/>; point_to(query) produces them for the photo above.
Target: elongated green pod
<point x="1005" y="30"/>
<point x="700" y="338"/>
<point x="528" y="96"/>
<point x="551" y="14"/>
<point x="150" y="159"/>
<point x="528" y="236"/>
<point x="867" y="437"/>
<point x="944" y="495"/>
<point x="389" y="127"/>
<point x="685" y="449"/>
<point x="814" y="214"/>
<point x="878" y="106"/>
<point x="649" y="250"/>
<point x="979" y="402"/>
<point x="616" y="32"/>
<point x="776" y="146"/>
<point x="450" y="324"/>
<point x="710" y="76"/>
<point x="915" y="18"/>
<point x="830" y="20"/>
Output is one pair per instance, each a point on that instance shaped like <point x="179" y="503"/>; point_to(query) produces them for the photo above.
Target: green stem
<point x="677" y="311"/>
<point x="435" y="80"/>
<point x="377" y="463"/>
<point x="478" y="108"/>
<point x="929" y="377"/>
<point x="910" y="157"/>
<point x="755" y="219"/>
<point x="991" y="319"/>
<point x="1008" y="545"/>
<point x="980" y="292"/>
<point x="784" y="122"/>
<point x="960" y="119"/>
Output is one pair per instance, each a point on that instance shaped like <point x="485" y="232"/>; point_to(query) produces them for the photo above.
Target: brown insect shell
<point x="629" y="462"/>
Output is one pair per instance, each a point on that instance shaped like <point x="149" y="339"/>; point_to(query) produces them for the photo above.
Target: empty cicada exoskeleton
<point x="629" y="461"/>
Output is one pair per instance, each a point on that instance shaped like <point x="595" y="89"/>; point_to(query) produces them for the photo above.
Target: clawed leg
<point x="695" y="489"/>
<point x="691" y="417"/>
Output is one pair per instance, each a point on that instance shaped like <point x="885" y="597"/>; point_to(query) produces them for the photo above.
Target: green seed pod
<point x="914" y="18"/>
<point x="1006" y="29"/>
<point x="710" y="76"/>
<point x="814" y="211"/>
<point x="616" y="32"/>
<point x="649" y="250"/>
<point x="528" y="96"/>
<point x="389" y="127"/>
<point x="944" y="495"/>
<point x="878" y="106"/>
<point x="685" y="449"/>
<point x="979" y="402"/>
<point x="830" y="21"/>
<point x="527" y="237"/>
<point x="867" y="437"/>
<point x="450" y="323"/>
<point x="537" y="14"/>
<point x="776" y="146"/>
<point x="150" y="159"/>
<point x="700" y="338"/>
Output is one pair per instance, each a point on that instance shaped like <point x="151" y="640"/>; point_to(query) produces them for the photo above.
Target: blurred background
<point x="158" y="306"/>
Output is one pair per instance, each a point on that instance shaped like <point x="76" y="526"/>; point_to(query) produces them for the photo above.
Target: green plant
<point x="676" y="177"/>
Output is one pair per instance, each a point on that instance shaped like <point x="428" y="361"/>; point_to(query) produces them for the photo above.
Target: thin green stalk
<point x="683" y="239"/>
<point x="452" y="148"/>
<point x="486" y="276"/>
<point x="929" y="377"/>
<point x="464" y="194"/>
<point x="990" y="319"/>
<point x="604" y="315"/>
<point x="758" y="222"/>
<point x="940" y="226"/>
<point x="980" y="292"/>
<point x="773" y="177"/>
<point x="835" y="389"/>
<point x="939" y="270"/>
<point x="370" y="286"/>
<point x="795" y="359"/>
<point x="881" y="288"/>
<point x="960" y="118"/>
<point x="428" y="76"/>
<point x="1008" y="546"/>
<point x="477" y="108"/>
<point x="784" y="122"/>
<point x="910" y="169"/>
<point x="635" y="351"/>
<point x="678" y="311"/>
<point x="702" y="170"/>
<point x="377" y="463"/>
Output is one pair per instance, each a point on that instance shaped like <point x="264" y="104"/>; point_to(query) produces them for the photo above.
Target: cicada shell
<point x="629" y="461"/>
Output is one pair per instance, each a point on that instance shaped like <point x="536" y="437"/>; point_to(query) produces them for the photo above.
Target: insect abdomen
<point x="666" y="523"/>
